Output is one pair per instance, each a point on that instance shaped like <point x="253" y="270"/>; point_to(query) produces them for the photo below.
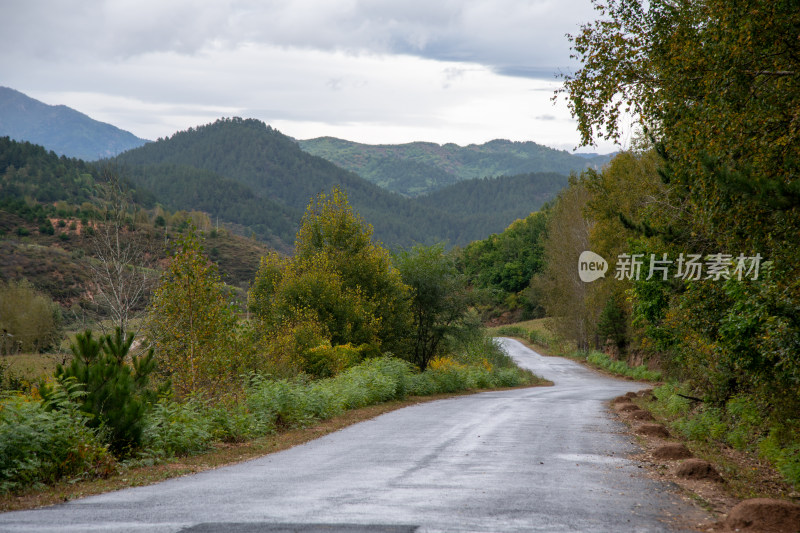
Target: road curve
<point x="537" y="459"/>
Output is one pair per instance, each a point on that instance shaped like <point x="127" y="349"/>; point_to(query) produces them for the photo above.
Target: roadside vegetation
<point x="696" y="222"/>
<point x="340" y="325"/>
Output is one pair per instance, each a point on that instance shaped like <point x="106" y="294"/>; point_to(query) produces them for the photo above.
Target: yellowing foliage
<point x="190" y="322"/>
<point x="339" y="281"/>
<point x="444" y="364"/>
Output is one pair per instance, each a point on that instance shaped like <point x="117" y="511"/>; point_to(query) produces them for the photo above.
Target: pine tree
<point x="116" y="393"/>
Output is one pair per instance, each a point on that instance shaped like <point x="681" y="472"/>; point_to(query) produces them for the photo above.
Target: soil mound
<point x="764" y="514"/>
<point x="672" y="451"/>
<point x="641" y="414"/>
<point x="697" y="469"/>
<point x="630" y="394"/>
<point x="626" y="407"/>
<point x="653" y="430"/>
<point x="621" y="399"/>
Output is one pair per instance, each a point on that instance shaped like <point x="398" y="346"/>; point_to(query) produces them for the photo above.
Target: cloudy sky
<point x="372" y="71"/>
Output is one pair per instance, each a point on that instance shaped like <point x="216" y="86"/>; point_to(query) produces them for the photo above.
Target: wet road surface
<point x="537" y="459"/>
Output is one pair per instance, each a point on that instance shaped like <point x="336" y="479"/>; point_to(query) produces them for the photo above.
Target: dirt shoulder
<point x="743" y="492"/>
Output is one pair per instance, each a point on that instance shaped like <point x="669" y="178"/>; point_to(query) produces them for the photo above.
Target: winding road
<point x="537" y="459"/>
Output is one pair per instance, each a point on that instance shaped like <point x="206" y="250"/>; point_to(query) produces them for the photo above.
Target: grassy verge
<point x="757" y="457"/>
<point x="535" y="334"/>
<point x="618" y="368"/>
<point x="532" y="333"/>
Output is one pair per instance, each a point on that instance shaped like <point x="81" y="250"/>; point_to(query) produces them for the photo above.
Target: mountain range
<point x="248" y="173"/>
<point x="60" y="128"/>
<point x="418" y="168"/>
<point x="243" y="172"/>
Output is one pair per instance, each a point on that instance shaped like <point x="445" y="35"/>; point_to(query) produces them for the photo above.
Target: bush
<point x="786" y="457"/>
<point x="172" y="428"/>
<point x="741" y="422"/>
<point x="278" y="403"/>
<point x="29" y="320"/>
<point x="39" y="444"/>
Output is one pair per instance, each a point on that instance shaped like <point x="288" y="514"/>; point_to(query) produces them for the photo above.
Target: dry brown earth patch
<point x="764" y="515"/>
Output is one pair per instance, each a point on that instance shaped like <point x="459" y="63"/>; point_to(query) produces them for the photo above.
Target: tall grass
<point x="621" y="368"/>
<point x="531" y="335"/>
<point x="740" y="422"/>
<point x="272" y="405"/>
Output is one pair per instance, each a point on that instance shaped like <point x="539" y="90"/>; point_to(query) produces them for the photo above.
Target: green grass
<point x="739" y="423"/>
<point x="29" y="367"/>
<point x="532" y="331"/>
<point x="620" y="368"/>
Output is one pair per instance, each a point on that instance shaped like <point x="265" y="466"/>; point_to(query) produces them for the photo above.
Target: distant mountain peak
<point x="60" y="128"/>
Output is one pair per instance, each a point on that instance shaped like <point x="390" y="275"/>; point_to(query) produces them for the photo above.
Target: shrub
<point x="29" y="320"/>
<point x="172" y="428"/>
<point x="784" y="454"/>
<point x="39" y="444"/>
<point x="231" y="423"/>
<point x="278" y="403"/>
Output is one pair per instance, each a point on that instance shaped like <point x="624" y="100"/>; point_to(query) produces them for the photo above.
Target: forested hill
<point x="60" y="128"/>
<point x="249" y="173"/>
<point x="488" y="205"/>
<point x="246" y="172"/>
<point x="418" y="168"/>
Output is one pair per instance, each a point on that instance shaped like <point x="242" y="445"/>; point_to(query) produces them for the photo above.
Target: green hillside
<point x="250" y="174"/>
<point x="419" y="168"/>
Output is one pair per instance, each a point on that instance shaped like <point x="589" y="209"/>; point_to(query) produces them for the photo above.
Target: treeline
<point x="699" y="222"/>
<point x="501" y="267"/>
<point x="488" y="205"/>
<point x="28" y="170"/>
<point x="247" y="174"/>
<point x="28" y="173"/>
<point x="189" y="188"/>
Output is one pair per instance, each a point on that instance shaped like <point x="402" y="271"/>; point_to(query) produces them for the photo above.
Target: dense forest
<point x="420" y="168"/>
<point x="245" y="172"/>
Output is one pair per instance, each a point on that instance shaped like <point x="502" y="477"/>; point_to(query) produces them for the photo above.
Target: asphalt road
<point x="538" y="459"/>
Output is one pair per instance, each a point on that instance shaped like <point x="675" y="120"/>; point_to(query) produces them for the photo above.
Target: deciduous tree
<point x="191" y="322"/>
<point x="439" y="301"/>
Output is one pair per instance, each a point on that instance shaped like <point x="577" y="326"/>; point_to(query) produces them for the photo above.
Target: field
<point x="32" y="366"/>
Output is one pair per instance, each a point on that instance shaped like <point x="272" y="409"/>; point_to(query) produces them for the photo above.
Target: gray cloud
<point x="513" y="37"/>
<point x="389" y="70"/>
